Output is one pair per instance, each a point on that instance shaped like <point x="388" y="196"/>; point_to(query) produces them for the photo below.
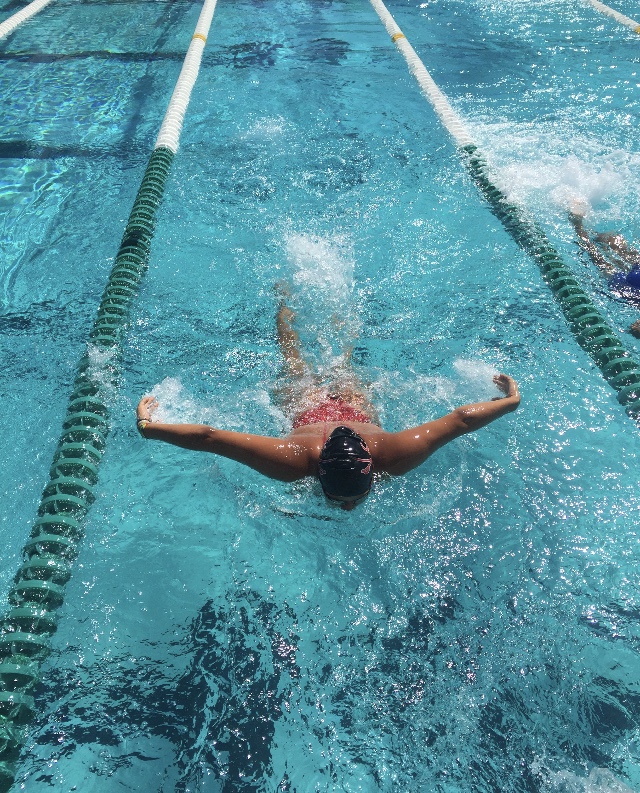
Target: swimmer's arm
<point x="590" y="247"/>
<point x="402" y="451"/>
<point x="619" y="246"/>
<point x="276" y="458"/>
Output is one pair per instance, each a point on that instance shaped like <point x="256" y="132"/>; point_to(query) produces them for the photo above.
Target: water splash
<point x="102" y="367"/>
<point x="174" y="403"/>
<point x="600" y="780"/>
<point x="478" y="376"/>
<point x="534" y="168"/>
<point x="323" y="267"/>
<point x="322" y="271"/>
<point x="566" y="180"/>
<point x="252" y="407"/>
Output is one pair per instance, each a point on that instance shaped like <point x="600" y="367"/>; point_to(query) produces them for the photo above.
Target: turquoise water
<point x="474" y="625"/>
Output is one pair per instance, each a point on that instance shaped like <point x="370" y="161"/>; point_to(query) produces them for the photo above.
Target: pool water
<point x="473" y="626"/>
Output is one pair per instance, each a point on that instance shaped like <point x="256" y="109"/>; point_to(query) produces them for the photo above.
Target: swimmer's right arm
<point x="277" y="458"/>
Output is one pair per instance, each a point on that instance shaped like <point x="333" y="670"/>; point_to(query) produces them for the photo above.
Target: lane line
<point x="48" y="555"/>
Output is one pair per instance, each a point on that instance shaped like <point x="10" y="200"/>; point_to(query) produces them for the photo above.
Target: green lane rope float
<point x="10" y="24"/>
<point x="38" y="589"/>
<point x="590" y="329"/>
<point x="610" y="12"/>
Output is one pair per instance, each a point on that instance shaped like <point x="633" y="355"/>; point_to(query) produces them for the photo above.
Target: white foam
<point x="322" y="272"/>
<point x="262" y="397"/>
<point x="600" y="780"/>
<point x="533" y="167"/>
<point x="478" y="375"/>
<point x="102" y="368"/>
<point x="175" y="405"/>
<point x="566" y="180"/>
<point x="322" y="265"/>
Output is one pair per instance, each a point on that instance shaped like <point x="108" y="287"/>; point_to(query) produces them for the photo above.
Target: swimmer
<point x="618" y="261"/>
<point x="334" y="434"/>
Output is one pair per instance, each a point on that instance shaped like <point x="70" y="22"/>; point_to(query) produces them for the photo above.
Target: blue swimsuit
<point x="627" y="284"/>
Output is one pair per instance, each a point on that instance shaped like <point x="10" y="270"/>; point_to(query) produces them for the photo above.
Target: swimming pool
<point x="474" y="625"/>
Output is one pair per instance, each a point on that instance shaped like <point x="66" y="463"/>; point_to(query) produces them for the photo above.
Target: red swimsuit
<point x="334" y="410"/>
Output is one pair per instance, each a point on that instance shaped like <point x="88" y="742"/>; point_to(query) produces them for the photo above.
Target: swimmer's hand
<point x="509" y="388"/>
<point x="146" y="407"/>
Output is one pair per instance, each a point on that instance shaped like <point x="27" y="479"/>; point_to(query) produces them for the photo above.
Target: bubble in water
<point x="266" y="128"/>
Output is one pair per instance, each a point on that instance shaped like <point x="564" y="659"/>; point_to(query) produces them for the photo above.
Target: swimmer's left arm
<point x="402" y="451"/>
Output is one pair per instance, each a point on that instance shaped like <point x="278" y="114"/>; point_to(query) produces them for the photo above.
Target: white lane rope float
<point x="169" y="134"/>
<point x="12" y="22"/>
<point x="610" y="12"/>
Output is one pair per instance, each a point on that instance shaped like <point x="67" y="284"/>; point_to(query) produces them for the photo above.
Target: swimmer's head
<point x="634" y="329"/>
<point x="345" y="468"/>
<point x="633" y="277"/>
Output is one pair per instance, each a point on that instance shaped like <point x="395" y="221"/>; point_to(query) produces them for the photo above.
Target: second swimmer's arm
<point x="587" y="244"/>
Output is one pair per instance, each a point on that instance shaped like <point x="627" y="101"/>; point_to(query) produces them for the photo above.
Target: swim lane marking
<point x="38" y="591"/>
<point x="169" y="134"/>
<point x="610" y="12"/>
<point x="440" y="103"/>
<point x="588" y="326"/>
<point x="10" y="24"/>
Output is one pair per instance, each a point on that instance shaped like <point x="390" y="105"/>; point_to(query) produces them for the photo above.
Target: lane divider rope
<point x="12" y="22"/>
<point x="48" y="555"/>
<point x="610" y="12"/>
<point x="169" y="134"/>
<point x="439" y="101"/>
<point x="589" y="328"/>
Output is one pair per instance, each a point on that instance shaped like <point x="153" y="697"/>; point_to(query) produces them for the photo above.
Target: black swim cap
<point x="345" y="467"/>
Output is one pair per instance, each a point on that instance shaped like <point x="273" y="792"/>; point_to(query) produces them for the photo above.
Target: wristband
<point x="142" y="425"/>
